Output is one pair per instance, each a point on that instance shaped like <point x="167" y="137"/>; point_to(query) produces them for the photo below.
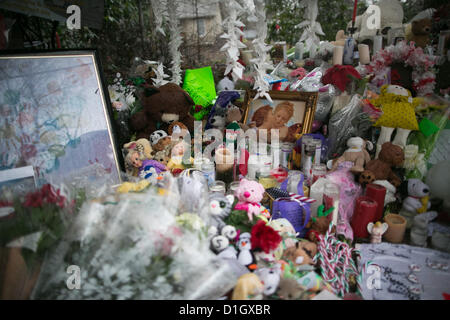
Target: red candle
<point x="377" y="193"/>
<point x="354" y="11"/>
<point x="365" y="212"/>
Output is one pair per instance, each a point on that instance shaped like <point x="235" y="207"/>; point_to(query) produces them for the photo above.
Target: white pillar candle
<point x="364" y="54"/>
<point x="338" y="55"/>
<point x="377" y="44"/>
<point x="299" y="48"/>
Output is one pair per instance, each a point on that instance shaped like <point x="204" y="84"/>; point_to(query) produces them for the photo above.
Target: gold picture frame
<point x="304" y="106"/>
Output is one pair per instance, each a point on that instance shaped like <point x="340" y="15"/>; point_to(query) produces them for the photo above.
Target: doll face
<point x="281" y="116"/>
<point x="178" y="150"/>
<point x="135" y="161"/>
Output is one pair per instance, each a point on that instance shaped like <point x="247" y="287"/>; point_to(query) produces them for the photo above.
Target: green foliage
<point x="333" y="16"/>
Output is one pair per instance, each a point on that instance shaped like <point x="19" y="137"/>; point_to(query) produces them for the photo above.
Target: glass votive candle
<point x="217" y="187"/>
<point x="232" y="187"/>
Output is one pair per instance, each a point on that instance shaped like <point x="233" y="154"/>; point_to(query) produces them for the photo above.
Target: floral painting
<point x="53" y="117"/>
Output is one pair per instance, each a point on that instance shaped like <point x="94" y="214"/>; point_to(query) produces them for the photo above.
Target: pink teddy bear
<point x="249" y="194"/>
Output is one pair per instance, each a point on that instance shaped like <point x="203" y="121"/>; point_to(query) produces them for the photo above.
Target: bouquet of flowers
<point x="133" y="248"/>
<point x="38" y="221"/>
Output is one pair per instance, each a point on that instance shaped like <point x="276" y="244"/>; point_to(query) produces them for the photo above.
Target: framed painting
<point x="56" y="118"/>
<point x="290" y="112"/>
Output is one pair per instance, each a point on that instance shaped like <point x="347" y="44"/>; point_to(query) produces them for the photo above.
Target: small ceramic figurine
<point x="376" y="231"/>
<point x="248" y="287"/>
<point x="146" y="167"/>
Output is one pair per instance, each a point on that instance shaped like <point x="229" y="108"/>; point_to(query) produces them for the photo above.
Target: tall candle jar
<point x="331" y="195"/>
<point x="318" y="171"/>
<point x="286" y="153"/>
<point x="311" y="148"/>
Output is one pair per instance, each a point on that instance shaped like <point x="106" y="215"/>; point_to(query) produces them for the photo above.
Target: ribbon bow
<point x="302" y="200"/>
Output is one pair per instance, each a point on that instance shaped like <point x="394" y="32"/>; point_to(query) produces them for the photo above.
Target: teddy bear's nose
<point x="246" y="194"/>
<point x="425" y="190"/>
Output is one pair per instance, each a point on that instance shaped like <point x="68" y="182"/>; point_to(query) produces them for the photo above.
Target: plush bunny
<point x="250" y="193"/>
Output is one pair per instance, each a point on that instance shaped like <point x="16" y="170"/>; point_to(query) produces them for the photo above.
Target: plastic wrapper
<point x="347" y="122"/>
<point x="349" y="192"/>
<point x="133" y="248"/>
<point x="310" y="83"/>
<point x="325" y="102"/>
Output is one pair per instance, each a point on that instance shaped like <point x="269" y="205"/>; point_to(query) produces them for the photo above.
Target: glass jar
<point x="265" y="178"/>
<point x="331" y="199"/>
<point x="312" y="148"/>
<point x="209" y="172"/>
<point x="217" y="187"/>
<point x="286" y="155"/>
<point x="232" y="187"/>
<point x="318" y="171"/>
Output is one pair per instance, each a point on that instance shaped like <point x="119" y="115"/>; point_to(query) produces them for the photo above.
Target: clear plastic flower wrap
<point x="324" y="102"/>
<point x="310" y="83"/>
<point x="347" y="122"/>
<point x="133" y="248"/>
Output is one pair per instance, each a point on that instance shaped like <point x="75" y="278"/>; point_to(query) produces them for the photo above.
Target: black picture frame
<point x="88" y="74"/>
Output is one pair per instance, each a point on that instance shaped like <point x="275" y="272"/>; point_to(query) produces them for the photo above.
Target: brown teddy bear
<point x="390" y="156"/>
<point x="419" y="32"/>
<point x="302" y="253"/>
<point x="163" y="144"/>
<point x="162" y="157"/>
<point x="160" y="107"/>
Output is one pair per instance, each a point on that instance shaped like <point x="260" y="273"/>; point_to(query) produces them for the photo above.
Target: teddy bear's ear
<point x="383" y="89"/>
<point x="151" y="90"/>
<point x="369" y="145"/>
